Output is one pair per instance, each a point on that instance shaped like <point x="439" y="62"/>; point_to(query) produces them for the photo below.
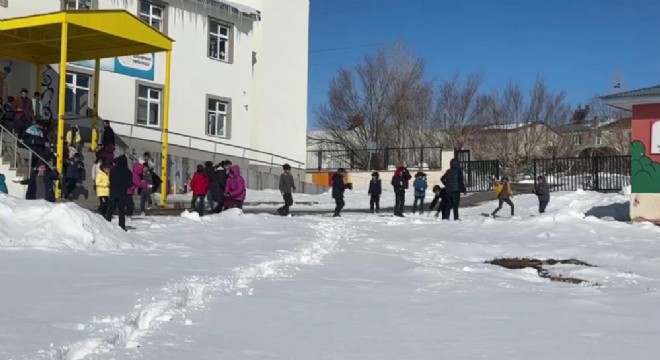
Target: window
<point x="152" y="14"/>
<point x="148" y="107"/>
<point x="78" y="4"/>
<point x="599" y="140"/>
<point x="219" y="41"/>
<point x="577" y="140"/>
<point x="217" y="117"/>
<point x="76" y="98"/>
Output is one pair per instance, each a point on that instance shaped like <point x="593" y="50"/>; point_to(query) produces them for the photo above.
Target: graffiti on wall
<point x="49" y="95"/>
<point x="645" y="172"/>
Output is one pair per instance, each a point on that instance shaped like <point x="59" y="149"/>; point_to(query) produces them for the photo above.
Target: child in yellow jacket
<point x="103" y="188"/>
<point x="504" y="194"/>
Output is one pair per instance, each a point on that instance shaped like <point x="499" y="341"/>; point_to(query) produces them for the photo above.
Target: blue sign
<point x="137" y="66"/>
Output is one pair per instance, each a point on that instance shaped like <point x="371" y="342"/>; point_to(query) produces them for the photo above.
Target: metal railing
<point x="598" y="173"/>
<point x="424" y="158"/>
<point x="18" y="154"/>
<point x="216" y="147"/>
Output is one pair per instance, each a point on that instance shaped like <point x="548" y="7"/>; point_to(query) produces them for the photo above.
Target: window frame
<point x="229" y="59"/>
<point x="149" y="86"/>
<point x="94" y="6"/>
<point x="90" y="89"/>
<point x="228" y="116"/>
<point x="163" y="18"/>
<point x="577" y="140"/>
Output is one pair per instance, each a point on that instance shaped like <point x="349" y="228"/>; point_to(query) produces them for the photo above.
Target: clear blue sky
<point x="577" y="45"/>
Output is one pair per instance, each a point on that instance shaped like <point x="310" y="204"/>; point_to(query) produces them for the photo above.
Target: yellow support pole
<point x="166" y="124"/>
<point x="95" y="118"/>
<point x="60" y="106"/>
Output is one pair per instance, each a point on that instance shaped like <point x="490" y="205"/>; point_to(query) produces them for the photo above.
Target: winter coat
<point x="34" y="136"/>
<point x="73" y="140"/>
<point x="156" y="181"/>
<point x="3" y="185"/>
<point x="9" y="113"/>
<point x="338" y="186"/>
<point x="287" y="185"/>
<point x="375" y="187"/>
<point x="121" y="178"/>
<point x="214" y="179"/>
<point x="73" y="169"/>
<point x="236" y="184"/>
<point x="49" y="182"/>
<point x="401" y="178"/>
<point x="503" y="191"/>
<point x="138" y="182"/>
<point x="102" y="184"/>
<point x="199" y="184"/>
<point x="25" y="105"/>
<point x="420" y="186"/>
<point x="453" y="178"/>
<point x="222" y="180"/>
<point x="543" y="191"/>
<point x="108" y="137"/>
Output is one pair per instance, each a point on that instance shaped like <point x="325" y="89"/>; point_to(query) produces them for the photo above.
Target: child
<point x="400" y="184"/>
<point x="74" y="169"/>
<point x="420" y="186"/>
<point x="504" y="193"/>
<point x="145" y="193"/>
<point x="338" y="188"/>
<point x="287" y="187"/>
<point x="543" y="192"/>
<point x="199" y="184"/>
<point x="102" y="186"/>
<point x="375" y="190"/>
<point x="438" y="199"/>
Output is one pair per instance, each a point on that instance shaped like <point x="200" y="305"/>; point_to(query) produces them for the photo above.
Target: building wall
<point x="645" y="179"/>
<point x="268" y="97"/>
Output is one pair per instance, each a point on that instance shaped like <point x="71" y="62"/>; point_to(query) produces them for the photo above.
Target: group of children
<point x="502" y="189"/>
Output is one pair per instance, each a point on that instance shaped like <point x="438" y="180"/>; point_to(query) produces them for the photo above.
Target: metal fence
<point x="425" y="158"/>
<point x="600" y="173"/>
<point x="479" y="176"/>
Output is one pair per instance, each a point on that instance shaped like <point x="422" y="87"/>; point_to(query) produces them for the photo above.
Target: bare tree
<point x="520" y="127"/>
<point x="385" y="102"/>
<point x="460" y="108"/>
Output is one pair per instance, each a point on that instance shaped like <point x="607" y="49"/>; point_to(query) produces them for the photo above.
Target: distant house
<point x="586" y="136"/>
<point x="513" y="141"/>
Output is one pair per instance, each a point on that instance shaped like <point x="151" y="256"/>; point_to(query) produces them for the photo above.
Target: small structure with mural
<point x="645" y="150"/>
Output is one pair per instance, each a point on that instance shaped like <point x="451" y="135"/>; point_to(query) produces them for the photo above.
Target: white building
<point x="239" y="78"/>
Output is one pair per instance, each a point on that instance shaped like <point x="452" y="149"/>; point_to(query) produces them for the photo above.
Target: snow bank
<point x="42" y="225"/>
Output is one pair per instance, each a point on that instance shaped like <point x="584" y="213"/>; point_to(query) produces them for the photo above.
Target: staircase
<point x="14" y="161"/>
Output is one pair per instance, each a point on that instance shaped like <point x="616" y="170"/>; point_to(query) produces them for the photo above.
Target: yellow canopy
<point x="77" y="35"/>
<point x="92" y="34"/>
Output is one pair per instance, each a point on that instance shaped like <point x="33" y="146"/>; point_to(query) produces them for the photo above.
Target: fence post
<point x="594" y="165"/>
<point x="386" y="158"/>
<point x="319" y="157"/>
<point x="421" y="158"/>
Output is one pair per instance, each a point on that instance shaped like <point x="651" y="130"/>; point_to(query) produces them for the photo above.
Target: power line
<point x="347" y="48"/>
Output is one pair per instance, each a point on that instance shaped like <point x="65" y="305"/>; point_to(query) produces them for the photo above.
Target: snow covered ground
<point x="355" y="199"/>
<point x="235" y="286"/>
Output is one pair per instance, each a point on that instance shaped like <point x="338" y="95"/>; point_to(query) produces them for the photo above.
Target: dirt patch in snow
<point x="538" y="265"/>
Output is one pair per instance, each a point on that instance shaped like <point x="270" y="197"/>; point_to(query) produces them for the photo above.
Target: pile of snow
<point x="39" y="224"/>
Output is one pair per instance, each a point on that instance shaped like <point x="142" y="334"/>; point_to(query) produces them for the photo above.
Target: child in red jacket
<point x="199" y="184"/>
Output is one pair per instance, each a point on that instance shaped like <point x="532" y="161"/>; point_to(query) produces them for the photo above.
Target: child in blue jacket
<point x="420" y="186"/>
